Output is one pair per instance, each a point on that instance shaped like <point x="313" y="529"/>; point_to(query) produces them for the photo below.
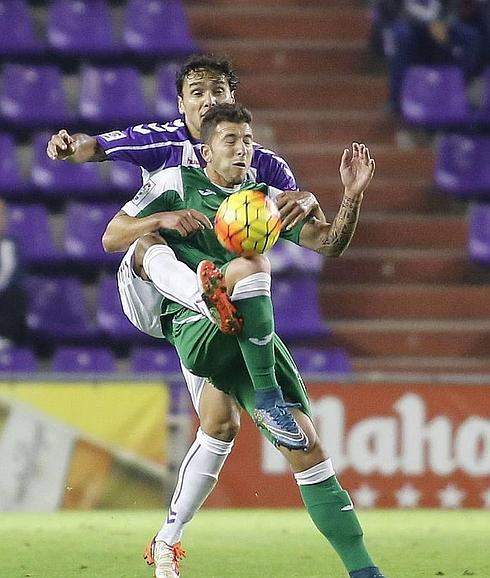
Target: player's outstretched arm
<point x="356" y="171"/>
<point x="78" y="148"/>
<point x="122" y="229"/>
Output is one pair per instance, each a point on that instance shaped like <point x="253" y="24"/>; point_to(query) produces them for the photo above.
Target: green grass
<point x="242" y="544"/>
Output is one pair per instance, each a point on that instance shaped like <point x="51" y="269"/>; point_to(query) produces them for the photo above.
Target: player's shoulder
<point x="168" y="179"/>
<point x="146" y="134"/>
<point x="262" y="153"/>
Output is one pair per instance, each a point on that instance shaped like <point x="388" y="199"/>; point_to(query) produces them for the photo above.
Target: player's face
<point x="229" y="154"/>
<point x="201" y="90"/>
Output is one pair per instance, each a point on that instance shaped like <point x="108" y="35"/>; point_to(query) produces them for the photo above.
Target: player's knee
<point x="225" y="430"/>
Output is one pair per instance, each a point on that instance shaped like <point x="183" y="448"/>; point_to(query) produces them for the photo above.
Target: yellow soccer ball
<point x="247" y="223"/>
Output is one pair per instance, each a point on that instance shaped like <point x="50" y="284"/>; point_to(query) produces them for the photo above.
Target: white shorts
<point x="141" y="302"/>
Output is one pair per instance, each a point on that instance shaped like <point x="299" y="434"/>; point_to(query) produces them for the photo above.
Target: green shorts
<point x="207" y="352"/>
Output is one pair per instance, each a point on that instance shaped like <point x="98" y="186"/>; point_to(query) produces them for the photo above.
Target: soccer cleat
<point x="165" y="558"/>
<point x="370" y="572"/>
<point x="213" y="289"/>
<point x="272" y="415"/>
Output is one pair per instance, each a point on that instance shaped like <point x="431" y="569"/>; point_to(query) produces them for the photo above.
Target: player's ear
<point x="180" y="104"/>
<point x="207" y="155"/>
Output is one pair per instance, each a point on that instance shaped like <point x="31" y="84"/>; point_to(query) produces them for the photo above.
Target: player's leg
<point x="248" y="280"/>
<point x="329" y="505"/>
<point x="155" y="261"/>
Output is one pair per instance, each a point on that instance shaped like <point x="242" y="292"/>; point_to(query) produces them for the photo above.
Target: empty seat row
<point x="162" y="360"/>
<point x="87" y="28"/>
<point x="56" y="180"/>
<point x="83" y="226"/>
<point x="436" y="97"/>
<point x="36" y="96"/>
<point x="58" y="312"/>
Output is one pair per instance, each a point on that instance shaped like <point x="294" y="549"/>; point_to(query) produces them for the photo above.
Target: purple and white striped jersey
<point x="157" y="146"/>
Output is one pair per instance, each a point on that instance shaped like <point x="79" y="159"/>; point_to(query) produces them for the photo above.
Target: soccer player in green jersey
<point x="208" y="352"/>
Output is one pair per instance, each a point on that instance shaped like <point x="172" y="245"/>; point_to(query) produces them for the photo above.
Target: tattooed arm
<point x="331" y="239"/>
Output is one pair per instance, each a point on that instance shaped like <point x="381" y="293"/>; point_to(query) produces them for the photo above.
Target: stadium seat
<point x="11" y="184"/>
<point x="83" y="359"/>
<point x="33" y="96"/>
<point x="288" y="258"/>
<point x="80" y="28"/>
<point x="479" y="234"/>
<point x="18" y="359"/>
<point x="166" y="95"/>
<point x="483" y="112"/>
<point x="124" y="179"/>
<point x="462" y="167"/>
<point x="296" y="308"/>
<point x="435" y="97"/>
<point x="162" y="360"/>
<point x="157" y="28"/>
<point x="111" y="95"/>
<point x="29" y="225"/>
<point x="57" y="311"/>
<point x="316" y="360"/>
<point x="84" y="225"/>
<point x="111" y="319"/>
<point x="64" y="179"/>
<point x="15" y="17"/>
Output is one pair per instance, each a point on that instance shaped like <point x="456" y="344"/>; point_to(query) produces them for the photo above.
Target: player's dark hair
<point x="235" y="113"/>
<point x="206" y="62"/>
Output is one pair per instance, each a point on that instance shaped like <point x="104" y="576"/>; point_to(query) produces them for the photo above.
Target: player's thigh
<point x="140" y="301"/>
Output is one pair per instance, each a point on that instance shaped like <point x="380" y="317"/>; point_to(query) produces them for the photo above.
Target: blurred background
<point x="393" y="338"/>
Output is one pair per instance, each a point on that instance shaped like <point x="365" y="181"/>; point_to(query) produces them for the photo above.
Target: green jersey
<point x="178" y="188"/>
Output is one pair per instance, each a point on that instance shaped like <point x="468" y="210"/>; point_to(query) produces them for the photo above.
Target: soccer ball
<point x="247" y="223"/>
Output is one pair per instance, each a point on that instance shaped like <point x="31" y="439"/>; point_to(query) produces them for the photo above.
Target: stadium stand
<point x="479" y="236"/>
<point x="16" y="15"/>
<point x="18" y="359"/>
<point x="84" y="360"/>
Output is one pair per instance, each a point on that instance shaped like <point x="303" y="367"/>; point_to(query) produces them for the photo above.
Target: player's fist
<point x="60" y="146"/>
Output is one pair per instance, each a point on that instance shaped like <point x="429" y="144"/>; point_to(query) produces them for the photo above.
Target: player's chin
<point x="237" y="175"/>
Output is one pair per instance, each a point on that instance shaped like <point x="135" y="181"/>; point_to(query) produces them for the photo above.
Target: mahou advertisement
<point x="403" y="445"/>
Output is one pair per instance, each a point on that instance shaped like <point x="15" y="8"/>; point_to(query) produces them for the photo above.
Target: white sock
<point x="172" y="278"/>
<point x="315" y="474"/>
<point x="198" y="475"/>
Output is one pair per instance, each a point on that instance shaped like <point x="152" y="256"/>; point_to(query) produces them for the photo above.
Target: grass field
<point x="244" y="543"/>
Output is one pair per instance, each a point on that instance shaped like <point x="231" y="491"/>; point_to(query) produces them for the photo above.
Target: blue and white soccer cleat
<point x="371" y="572"/>
<point x="272" y="414"/>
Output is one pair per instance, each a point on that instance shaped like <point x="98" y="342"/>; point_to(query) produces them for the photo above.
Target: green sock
<point x="256" y="340"/>
<point x="324" y="502"/>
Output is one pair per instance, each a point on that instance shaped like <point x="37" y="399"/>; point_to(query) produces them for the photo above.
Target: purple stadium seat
<point x="64" y="179"/>
<point x="483" y="112"/>
<point x="162" y="359"/>
<point x="110" y="316"/>
<point x="315" y="360"/>
<point x="125" y="178"/>
<point x="18" y="359"/>
<point x="166" y="95"/>
<point x="84" y="225"/>
<point x="462" y="167"/>
<point x="10" y="179"/>
<point x="33" y="95"/>
<point x="29" y="225"/>
<point x="286" y="257"/>
<point x="479" y="234"/>
<point x="157" y="28"/>
<point x="15" y="17"/>
<point x="111" y="95"/>
<point x="84" y="359"/>
<point x="57" y="310"/>
<point x="435" y="97"/>
<point x="296" y="308"/>
<point x="80" y="28"/>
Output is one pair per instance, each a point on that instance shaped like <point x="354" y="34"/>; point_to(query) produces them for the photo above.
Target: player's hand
<point x="185" y="221"/>
<point x="356" y="169"/>
<point x="294" y="206"/>
<point x="60" y="146"/>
